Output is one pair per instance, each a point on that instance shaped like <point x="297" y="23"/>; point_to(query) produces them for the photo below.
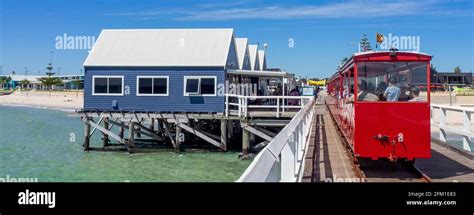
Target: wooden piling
<point x="230" y="127"/>
<point x="245" y="142"/>
<point x="152" y="124"/>
<point x="138" y="134"/>
<point x="224" y="134"/>
<point x="122" y="129"/>
<point x="87" y="131"/>
<point x="131" y="136"/>
<point x="178" y="136"/>
<point x="252" y="138"/>
<point x="105" y="137"/>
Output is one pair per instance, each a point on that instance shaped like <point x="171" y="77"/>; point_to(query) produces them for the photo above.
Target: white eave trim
<point x="256" y="73"/>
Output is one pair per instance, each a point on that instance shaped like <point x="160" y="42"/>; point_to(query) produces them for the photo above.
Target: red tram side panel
<point x="394" y="129"/>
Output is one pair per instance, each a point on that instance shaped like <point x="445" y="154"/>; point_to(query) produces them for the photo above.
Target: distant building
<point x="69" y="82"/>
<point x="458" y="79"/>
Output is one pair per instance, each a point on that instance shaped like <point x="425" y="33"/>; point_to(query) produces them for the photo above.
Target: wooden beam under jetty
<point x="256" y="132"/>
<point x="201" y="135"/>
<point x="168" y="133"/>
<point x="146" y="131"/>
<point x="105" y="131"/>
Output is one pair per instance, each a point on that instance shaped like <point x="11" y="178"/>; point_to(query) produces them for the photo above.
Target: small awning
<point x="257" y="73"/>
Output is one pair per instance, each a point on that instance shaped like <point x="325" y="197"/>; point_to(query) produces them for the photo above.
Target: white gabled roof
<point x="253" y="55"/>
<point x="241" y="48"/>
<point x="30" y="78"/>
<point x="161" y="47"/>
<point x="261" y="59"/>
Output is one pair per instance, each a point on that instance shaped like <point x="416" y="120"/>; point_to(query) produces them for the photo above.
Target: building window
<point x="107" y="85"/>
<point x="200" y="85"/>
<point x="192" y="86"/>
<point x="152" y="85"/>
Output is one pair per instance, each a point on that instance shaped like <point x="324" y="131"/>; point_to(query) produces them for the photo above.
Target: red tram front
<point x="379" y="106"/>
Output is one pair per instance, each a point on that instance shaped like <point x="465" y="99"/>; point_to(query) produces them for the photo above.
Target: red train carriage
<point x="386" y="114"/>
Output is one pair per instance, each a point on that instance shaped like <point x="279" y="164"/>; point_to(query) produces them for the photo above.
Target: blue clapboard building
<point x="149" y="77"/>
<point x="159" y="70"/>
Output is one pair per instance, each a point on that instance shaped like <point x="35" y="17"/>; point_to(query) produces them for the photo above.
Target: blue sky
<point x="322" y="30"/>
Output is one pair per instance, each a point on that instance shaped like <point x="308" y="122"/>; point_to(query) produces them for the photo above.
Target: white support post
<point x="442" y="120"/>
<point x="283" y="105"/>
<point x="240" y="106"/>
<point x="466" y="141"/>
<point x="246" y="106"/>
<point x="226" y="105"/>
<point x="431" y="114"/>
<point x="287" y="158"/>
<point x="278" y="108"/>
<point x="297" y="149"/>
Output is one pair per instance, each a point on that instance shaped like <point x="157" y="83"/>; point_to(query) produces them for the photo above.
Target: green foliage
<point x="50" y="81"/>
<point x="344" y="60"/>
<point x="457" y="70"/>
<point x="24" y="82"/>
<point x="365" y="44"/>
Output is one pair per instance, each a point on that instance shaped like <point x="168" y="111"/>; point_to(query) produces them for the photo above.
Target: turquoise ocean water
<point x="46" y="144"/>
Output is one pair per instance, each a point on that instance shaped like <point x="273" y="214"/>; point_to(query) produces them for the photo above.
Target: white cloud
<point x="354" y="9"/>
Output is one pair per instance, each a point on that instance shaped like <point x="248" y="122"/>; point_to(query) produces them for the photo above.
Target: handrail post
<point x="442" y="120"/>
<point x="240" y="106"/>
<point x="283" y="105"/>
<point x="246" y="106"/>
<point x="287" y="158"/>
<point x="278" y="107"/>
<point x="226" y="105"/>
<point x="466" y="140"/>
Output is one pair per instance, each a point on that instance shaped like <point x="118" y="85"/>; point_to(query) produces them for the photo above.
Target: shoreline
<point x="67" y="110"/>
<point x="57" y="100"/>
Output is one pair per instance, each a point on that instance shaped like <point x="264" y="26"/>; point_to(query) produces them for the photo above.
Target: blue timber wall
<point x="175" y="102"/>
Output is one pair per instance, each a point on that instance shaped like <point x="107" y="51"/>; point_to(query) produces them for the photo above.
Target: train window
<point x="392" y="81"/>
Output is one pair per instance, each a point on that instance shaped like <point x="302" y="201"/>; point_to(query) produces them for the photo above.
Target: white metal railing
<point x="443" y="126"/>
<point x="282" y="160"/>
<point x="279" y="104"/>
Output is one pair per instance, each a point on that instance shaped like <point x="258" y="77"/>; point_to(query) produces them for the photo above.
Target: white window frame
<point x="107" y="76"/>
<point x="152" y="85"/>
<point x="199" y="85"/>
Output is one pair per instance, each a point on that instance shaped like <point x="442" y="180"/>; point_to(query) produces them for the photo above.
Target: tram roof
<point x="386" y="56"/>
<point x="383" y="56"/>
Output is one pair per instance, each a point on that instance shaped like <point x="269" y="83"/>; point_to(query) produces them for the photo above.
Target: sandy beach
<point x="57" y="100"/>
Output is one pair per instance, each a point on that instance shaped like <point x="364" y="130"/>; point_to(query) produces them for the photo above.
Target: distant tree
<point x="3" y="80"/>
<point x="433" y="74"/>
<point x="50" y="81"/>
<point x="457" y="70"/>
<point x="365" y="44"/>
<point x="24" y="84"/>
<point x="344" y="60"/>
